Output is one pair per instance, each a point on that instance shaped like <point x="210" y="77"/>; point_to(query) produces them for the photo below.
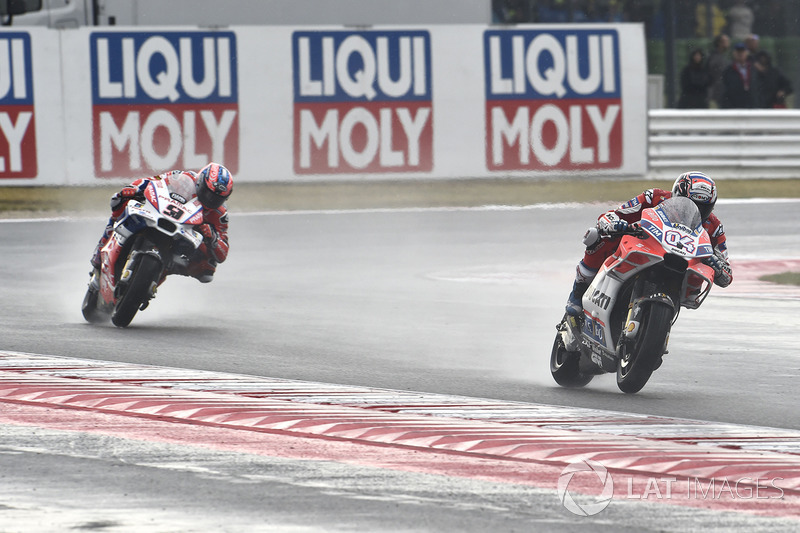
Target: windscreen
<point x="681" y="210"/>
<point x="181" y="184"/>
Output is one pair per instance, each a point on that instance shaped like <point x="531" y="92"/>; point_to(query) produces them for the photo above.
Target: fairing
<point x="674" y="240"/>
<point x="169" y="208"/>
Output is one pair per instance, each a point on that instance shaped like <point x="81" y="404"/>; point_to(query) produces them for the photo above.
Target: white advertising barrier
<point x="31" y="108"/>
<point x="87" y="106"/>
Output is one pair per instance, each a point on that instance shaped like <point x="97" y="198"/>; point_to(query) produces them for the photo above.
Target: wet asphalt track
<point x="458" y="301"/>
<point x="461" y="302"/>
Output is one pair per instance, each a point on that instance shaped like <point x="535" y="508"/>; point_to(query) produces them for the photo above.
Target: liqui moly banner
<point x="163" y="100"/>
<point x="282" y="103"/>
<point x="17" y="125"/>
<point x="362" y="102"/>
<point x="553" y="99"/>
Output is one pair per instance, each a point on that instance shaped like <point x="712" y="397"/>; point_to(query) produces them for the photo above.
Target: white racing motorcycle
<point x="154" y="236"/>
<point x="630" y="306"/>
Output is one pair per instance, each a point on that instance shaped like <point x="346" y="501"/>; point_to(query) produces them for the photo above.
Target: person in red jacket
<point x="213" y="186"/>
<point x="694" y="185"/>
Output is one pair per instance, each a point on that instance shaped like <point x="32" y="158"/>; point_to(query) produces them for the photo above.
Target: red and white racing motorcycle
<point x="153" y="237"/>
<point x="635" y="298"/>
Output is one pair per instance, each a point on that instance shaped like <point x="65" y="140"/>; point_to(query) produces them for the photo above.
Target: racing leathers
<point x="212" y="251"/>
<point x="598" y="250"/>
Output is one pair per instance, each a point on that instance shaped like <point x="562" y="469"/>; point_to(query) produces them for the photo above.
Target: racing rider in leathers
<point x="213" y="186"/>
<point x="694" y="185"/>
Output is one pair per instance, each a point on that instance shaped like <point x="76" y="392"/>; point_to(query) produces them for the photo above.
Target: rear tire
<point x="146" y="272"/>
<point x="89" y="307"/>
<point x="636" y="367"/>
<point x="564" y="366"/>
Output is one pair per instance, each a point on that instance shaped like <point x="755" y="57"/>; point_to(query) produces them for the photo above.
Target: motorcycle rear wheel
<point x="145" y="274"/>
<point x="564" y="366"/>
<point x="635" y="368"/>
<point x="89" y="308"/>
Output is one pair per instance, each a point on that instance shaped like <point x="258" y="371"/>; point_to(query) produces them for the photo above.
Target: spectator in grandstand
<point x="718" y="61"/>
<point x="739" y="83"/>
<point x="695" y="82"/>
<point x="753" y="44"/>
<point x="773" y="85"/>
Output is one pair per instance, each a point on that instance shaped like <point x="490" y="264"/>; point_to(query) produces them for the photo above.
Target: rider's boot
<point x="94" y="281"/>
<point x="574" y="305"/>
<point x="583" y="277"/>
<point x="94" y="275"/>
<point x="203" y="270"/>
<point x="206" y="276"/>
<point x="95" y="260"/>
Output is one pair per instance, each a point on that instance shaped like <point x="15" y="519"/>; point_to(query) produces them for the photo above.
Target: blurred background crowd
<point x="700" y="47"/>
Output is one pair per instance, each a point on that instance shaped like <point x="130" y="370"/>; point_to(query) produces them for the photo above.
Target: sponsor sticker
<point x="163" y="100"/>
<point x="553" y="99"/>
<point x="17" y="124"/>
<point x="362" y="102"/>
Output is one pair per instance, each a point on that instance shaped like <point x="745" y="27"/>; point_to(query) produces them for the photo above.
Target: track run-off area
<point x="408" y="347"/>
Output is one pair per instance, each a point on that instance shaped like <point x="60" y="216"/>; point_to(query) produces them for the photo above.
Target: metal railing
<point x="726" y="143"/>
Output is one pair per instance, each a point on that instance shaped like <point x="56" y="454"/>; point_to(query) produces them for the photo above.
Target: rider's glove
<point x="619" y="226"/>
<point x="132" y="193"/>
<point x="611" y="223"/>
<point x="723" y="275"/>
<point x="208" y="232"/>
<point x="121" y="198"/>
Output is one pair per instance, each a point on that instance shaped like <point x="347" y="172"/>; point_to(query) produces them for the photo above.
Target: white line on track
<point x="443" y="209"/>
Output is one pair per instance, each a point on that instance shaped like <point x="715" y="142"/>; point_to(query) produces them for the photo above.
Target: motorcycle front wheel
<point x="146" y="272"/>
<point x="639" y="361"/>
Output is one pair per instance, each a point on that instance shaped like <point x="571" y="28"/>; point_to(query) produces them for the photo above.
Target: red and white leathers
<point x="212" y="251"/>
<point x="630" y="212"/>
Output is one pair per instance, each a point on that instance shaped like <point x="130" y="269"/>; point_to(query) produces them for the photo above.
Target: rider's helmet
<point x="214" y="184"/>
<point x="699" y="188"/>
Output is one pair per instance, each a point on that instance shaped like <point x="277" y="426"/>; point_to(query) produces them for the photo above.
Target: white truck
<point x="212" y="13"/>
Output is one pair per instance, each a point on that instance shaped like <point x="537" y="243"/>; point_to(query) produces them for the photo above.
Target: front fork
<point x="127" y="269"/>
<point x="127" y="272"/>
<point x="644" y="292"/>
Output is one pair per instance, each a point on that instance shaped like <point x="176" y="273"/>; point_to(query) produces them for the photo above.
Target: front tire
<point x="564" y="366"/>
<point x="637" y="365"/>
<point x="146" y="272"/>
